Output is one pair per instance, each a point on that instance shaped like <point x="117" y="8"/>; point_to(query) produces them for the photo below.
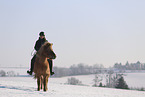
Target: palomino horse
<point x="41" y="65"/>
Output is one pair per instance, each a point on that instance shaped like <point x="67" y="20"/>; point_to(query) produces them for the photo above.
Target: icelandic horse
<point x="41" y="65"/>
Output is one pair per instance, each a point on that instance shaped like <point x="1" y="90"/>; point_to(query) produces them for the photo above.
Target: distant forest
<point x="79" y="69"/>
<point x="82" y="69"/>
<point x="131" y="66"/>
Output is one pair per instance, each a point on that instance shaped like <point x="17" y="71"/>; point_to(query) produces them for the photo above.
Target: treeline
<point x="8" y="74"/>
<point x="79" y="69"/>
<point x="130" y="66"/>
<point x="82" y="69"/>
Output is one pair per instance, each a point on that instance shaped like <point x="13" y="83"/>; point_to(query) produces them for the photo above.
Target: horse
<point x="41" y="65"/>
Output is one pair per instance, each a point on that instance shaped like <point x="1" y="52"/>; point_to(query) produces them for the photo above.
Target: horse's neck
<point x="42" y="58"/>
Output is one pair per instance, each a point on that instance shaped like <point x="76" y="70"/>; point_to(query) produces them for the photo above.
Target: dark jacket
<point x="39" y="43"/>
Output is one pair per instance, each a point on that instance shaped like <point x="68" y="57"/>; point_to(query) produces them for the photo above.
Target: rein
<point x="33" y="53"/>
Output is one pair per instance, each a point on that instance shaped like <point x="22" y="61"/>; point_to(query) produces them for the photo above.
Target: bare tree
<point x="98" y="78"/>
<point x="74" y="81"/>
<point x="2" y="73"/>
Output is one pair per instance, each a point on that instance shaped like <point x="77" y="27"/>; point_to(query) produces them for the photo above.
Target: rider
<point x="38" y="44"/>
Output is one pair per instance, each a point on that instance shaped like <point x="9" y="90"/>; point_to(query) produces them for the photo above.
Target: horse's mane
<point x="42" y="48"/>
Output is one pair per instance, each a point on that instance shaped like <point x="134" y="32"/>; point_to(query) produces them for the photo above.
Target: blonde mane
<point x="39" y="52"/>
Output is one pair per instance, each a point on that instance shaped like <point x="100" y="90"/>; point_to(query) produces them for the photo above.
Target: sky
<point x="82" y="31"/>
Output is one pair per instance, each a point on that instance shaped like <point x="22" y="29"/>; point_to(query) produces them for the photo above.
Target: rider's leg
<point x="32" y="65"/>
<point x="50" y="66"/>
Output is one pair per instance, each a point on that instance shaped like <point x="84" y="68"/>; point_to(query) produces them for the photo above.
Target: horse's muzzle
<point x="54" y="57"/>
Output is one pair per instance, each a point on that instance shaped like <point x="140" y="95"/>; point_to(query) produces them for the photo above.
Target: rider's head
<point x="41" y="34"/>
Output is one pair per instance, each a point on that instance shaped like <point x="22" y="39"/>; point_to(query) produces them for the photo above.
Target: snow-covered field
<point x="133" y="80"/>
<point x="27" y="87"/>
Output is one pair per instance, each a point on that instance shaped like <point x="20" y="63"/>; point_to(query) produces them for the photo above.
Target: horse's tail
<point x="35" y="76"/>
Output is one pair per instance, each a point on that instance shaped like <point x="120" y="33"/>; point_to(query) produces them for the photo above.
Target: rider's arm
<point x="36" y="46"/>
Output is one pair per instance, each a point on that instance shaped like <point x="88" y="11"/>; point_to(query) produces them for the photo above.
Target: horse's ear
<point x="48" y="44"/>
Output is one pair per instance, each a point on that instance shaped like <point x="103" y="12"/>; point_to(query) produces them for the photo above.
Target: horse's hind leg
<point x="45" y="83"/>
<point x="39" y="83"/>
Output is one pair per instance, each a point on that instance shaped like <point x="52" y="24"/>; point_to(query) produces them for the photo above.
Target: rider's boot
<point x="50" y="66"/>
<point x="32" y="66"/>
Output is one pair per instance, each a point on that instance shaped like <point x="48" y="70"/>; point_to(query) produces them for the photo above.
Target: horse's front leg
<point x="45" y="83"/>
<point x="39" y="83"/>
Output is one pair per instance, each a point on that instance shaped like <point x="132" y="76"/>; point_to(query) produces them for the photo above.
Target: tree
<point x="11" y="73"/>
<point x="2" y="73"/>
<point x="97" y="79"/>
<point x="109" y="81"/>
<point x="74" y="81"/>
<point x="100" y="85"/>
<point x="121" y="84"/>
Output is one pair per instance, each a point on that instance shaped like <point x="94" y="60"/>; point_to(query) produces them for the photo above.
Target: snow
<point x="135" y="80"/>
<point x="27" y="87"/>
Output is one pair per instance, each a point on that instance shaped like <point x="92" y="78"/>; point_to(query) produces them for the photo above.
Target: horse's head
<point x="48" y="51"/>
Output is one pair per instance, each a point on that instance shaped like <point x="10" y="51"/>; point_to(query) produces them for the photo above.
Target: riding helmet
<point x="41" y="34"/>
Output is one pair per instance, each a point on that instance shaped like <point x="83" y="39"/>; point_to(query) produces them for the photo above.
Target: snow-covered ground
<point x="27" y="87"/>
<point x="135" y="80"/>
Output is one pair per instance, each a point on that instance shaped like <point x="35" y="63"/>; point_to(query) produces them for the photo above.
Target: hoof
<point x="38" y="89"/>
<point x="45" y="90"/>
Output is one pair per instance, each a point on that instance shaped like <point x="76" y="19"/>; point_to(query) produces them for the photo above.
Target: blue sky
<point x="82" y="31"/>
